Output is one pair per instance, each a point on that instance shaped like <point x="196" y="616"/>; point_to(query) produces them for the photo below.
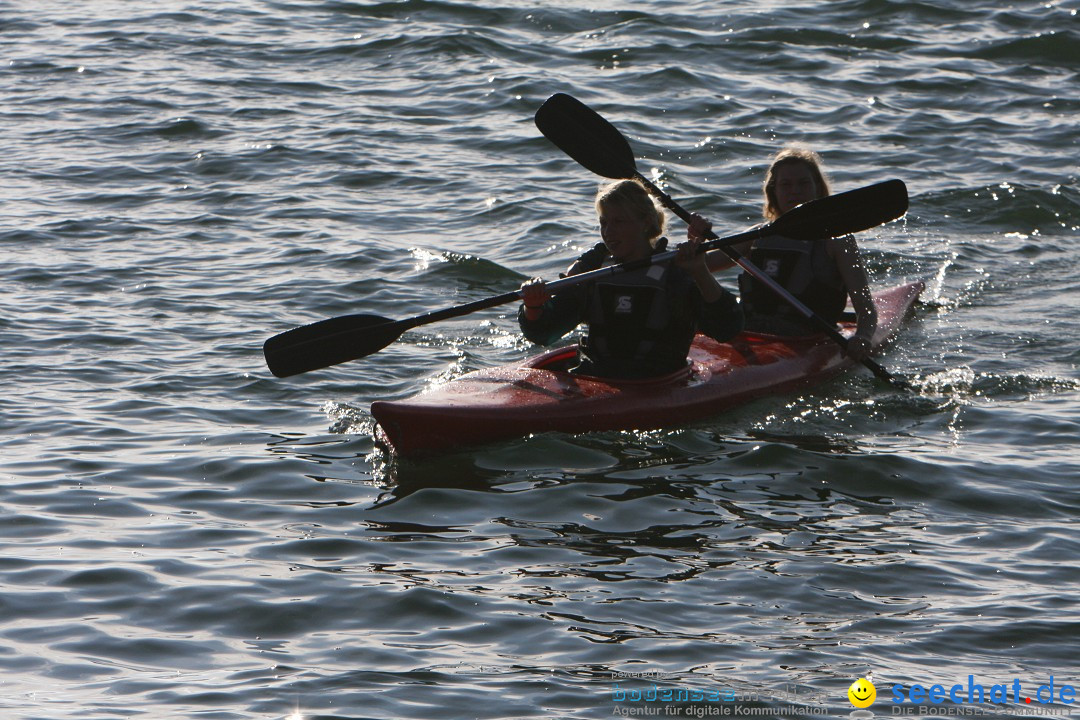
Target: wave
<point x="964" y="382"/>
<point x="1005" y="207"/>
<point x="1055" y="48"/>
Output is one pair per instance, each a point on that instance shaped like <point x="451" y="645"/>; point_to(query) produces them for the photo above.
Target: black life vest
<point x="802" y="268"/>
<point x="640" y="322"/>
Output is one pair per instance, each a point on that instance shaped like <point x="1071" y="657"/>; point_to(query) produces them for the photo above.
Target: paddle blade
<point x="581" y="133"/>
<point x="329" y="342"/>
<point x="844" y="213"/>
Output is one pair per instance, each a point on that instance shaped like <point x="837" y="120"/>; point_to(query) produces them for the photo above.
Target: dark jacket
<point x="805" y="270"/>
<point x="641" y="322"/>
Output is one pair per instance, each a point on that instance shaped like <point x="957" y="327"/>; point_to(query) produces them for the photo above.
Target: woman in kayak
<point x="822" y="274"/>
<point x="640" y="322"/>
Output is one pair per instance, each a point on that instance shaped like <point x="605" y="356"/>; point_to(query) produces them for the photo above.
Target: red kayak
<point x="539" y="395"/>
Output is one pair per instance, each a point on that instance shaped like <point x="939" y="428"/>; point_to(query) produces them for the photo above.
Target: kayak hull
<point x="536" y="396"/>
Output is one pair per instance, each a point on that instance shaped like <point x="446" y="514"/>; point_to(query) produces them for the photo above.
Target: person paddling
<point x="640" y="322"/>
<point x="822" y="274"/>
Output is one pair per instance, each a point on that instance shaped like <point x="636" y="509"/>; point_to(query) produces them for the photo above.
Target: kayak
<point x="540" y="395"/>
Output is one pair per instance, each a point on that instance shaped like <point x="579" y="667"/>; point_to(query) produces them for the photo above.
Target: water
<point x="185" y="536"/>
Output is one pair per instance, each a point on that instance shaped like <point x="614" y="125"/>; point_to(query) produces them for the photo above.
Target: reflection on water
<point x="184" y="535"/>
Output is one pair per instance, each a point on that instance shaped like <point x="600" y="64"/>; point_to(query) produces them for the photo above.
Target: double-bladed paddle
<point x="597" y="145"/>
<point x="350" y="337"/>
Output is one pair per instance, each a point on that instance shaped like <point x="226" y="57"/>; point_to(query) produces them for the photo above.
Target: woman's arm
<point x="849" y="262"/>
<point x="719" y="313"/>
<point x="694" y="264"/>
<point x="543" y="317"/>
<point x="715" y="260"/>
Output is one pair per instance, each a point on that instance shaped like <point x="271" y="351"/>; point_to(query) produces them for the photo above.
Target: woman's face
<point x="794" y="186"/>
<point x="623" y="234"/>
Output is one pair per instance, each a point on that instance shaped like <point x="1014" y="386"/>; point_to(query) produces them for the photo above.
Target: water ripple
<point x="184" y="535"/>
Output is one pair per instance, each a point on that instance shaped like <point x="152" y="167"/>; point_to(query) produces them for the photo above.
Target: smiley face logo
<point x="862" y="693"/>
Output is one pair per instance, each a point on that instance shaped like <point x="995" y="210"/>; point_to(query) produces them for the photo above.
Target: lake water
<point x="185" y="536"/>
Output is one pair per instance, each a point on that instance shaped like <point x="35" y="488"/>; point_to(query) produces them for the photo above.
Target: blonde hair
<point x="792" y="155"/>
<point x="630" y="195"/>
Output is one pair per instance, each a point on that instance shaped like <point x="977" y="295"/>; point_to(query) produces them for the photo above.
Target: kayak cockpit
<point x="560" y="360"/>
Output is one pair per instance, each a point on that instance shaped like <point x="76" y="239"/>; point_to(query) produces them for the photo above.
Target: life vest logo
<point x="862" y="693"/>
<point x="624" y="304"/>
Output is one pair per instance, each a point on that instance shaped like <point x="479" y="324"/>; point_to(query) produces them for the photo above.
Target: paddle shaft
<point x="458" y="310"/>
<point x="350" y="337"/>
<point x="337" y="340"/>
<point x="714" y="243"/>
<point x="738" y="258"/>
